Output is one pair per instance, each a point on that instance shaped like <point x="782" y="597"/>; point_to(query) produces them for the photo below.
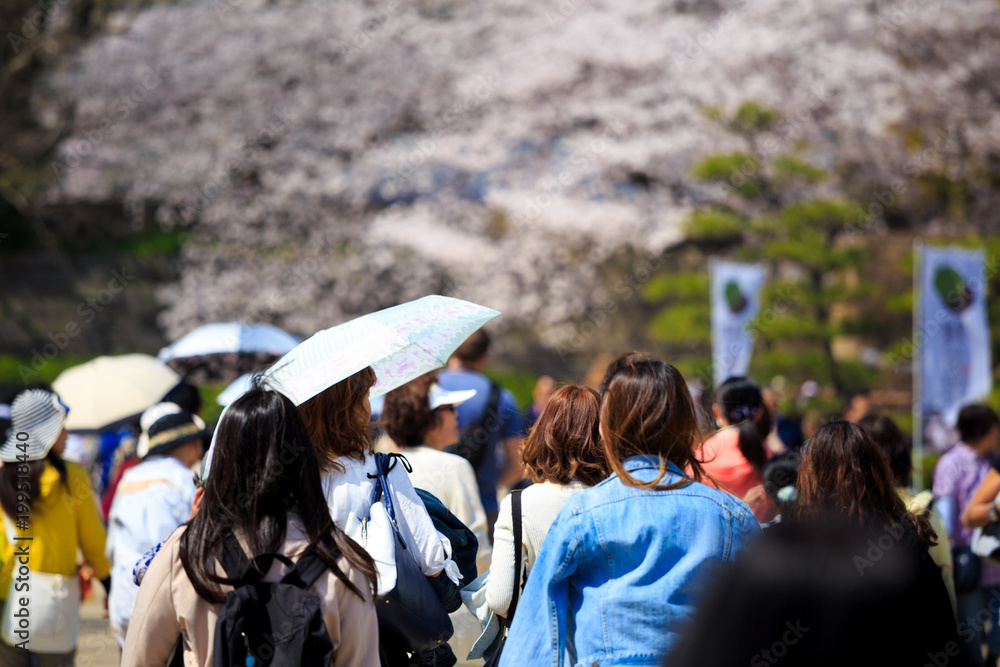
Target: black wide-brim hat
<point x="172" y="431"/>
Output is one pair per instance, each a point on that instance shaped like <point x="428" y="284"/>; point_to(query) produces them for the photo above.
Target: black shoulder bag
<point x="477" y="435"/>
<point x="515" y="509"/>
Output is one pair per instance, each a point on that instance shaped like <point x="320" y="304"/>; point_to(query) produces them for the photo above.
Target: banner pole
<point x="915" y="366"/>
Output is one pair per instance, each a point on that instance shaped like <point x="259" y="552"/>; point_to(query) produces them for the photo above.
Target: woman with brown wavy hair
<point x="563" y="455"/>
<point x="843" y="579"/>
<point x="338" y="420"/>
<point x="844" y="475"/>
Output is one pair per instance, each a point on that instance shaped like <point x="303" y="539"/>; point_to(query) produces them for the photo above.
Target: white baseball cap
<point x="439" y="397"/>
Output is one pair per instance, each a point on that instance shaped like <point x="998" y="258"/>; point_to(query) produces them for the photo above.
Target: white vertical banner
<point x="953" y="334"/>
<point x="735" y="292"/>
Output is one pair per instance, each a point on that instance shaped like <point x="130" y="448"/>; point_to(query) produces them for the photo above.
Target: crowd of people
<point x="615" y="524"/>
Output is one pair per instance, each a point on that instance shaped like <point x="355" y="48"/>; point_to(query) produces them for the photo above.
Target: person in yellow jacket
<point x="49" y="511"/>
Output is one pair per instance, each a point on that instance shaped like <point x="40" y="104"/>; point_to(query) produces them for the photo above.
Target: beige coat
<point x="168" y="607"/>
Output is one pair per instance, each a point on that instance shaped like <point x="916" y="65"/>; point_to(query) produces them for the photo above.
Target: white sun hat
<point x="438" y="396"/>
<point x="39" y="415"/>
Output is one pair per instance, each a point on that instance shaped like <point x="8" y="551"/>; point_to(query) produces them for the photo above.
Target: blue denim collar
<point x="652" y="461"/>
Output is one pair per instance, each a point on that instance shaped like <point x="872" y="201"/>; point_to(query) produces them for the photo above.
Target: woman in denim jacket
<point x="626" y="561"/>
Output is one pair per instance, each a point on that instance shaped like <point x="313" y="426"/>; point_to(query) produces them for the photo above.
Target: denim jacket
<point x="622" y="569"/>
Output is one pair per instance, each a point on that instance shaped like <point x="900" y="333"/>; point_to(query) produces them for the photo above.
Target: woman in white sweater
<point x="338" y="423"/>
<point x="563" y="455"/>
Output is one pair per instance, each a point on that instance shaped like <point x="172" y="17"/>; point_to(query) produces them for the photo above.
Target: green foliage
<point x="788" y="169"/>
<point x="714" y="223"/>
<point x="688" y="285"/>
<point x="13" y="366"/>
<point x="682" y="323"/>
<point x="521" y="383"/>
<point x="740" y="171"/>
<point x="798" y="235"/>
<point x="210" y="409"/>
<point x="753" y="116"/>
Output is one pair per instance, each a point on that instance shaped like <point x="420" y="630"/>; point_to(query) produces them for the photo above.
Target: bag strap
<point x="384" y="463"/>
<point x="306" y="570"/>
<point x="515" y="508"/>
<point x="254" y="569"/>
<point x="492" y="408"/>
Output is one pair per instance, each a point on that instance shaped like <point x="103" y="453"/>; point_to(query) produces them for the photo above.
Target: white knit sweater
<point x="540" y="504"/>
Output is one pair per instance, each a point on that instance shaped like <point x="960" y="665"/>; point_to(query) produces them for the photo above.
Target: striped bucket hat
<point x="37" y="418"/>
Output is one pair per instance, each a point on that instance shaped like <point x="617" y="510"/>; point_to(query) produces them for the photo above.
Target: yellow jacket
<point x="61" y="520"/>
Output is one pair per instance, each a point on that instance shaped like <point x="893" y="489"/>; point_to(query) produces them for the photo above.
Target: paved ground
<point x="97" y="648"/>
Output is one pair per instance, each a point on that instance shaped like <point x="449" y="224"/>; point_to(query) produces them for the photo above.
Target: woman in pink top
<point x="734" y="456"/>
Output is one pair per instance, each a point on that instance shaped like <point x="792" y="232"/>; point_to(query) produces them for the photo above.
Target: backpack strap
<point x="233" y="558"/>
<point x="515" y="509"/>
<point x="248" y="570"/>
<point x="306" y="570"/>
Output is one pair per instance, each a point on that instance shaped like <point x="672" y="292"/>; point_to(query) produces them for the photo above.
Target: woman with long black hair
<point x="264" y="488"/>
<point x="733" y="458"/>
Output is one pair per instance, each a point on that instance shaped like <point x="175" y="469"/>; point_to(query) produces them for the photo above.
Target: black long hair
<point x="742" y="403"/>
<point x="264" y="467"/>
<point x="9" y="482"/>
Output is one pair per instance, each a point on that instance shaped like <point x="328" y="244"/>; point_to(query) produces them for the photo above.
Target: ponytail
<point x="742" y="403"/>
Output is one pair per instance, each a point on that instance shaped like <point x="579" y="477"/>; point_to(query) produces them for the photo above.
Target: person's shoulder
<point x="454" y="380"/>
<point x="75" y="470"/>
<point x="544" y="492"/>
<point x="613" y="490"/>
<point x="456" y="462"/>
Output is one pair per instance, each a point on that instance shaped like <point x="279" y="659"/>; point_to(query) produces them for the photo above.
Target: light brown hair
<point x="646" y="409"/>
<point x="338" y="422"/>
<point x="565" y="442"/>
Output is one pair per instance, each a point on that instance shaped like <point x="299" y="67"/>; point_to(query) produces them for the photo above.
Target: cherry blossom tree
<point x="331" y="158"/>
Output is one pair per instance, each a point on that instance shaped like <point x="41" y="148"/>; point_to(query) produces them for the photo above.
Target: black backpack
<point x="271" y="623"/>
<point x="481" y="432"/>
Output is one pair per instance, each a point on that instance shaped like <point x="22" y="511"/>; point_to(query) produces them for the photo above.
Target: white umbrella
<point x="399" y="343"/>
<point x="236" y="388"/>
<point x="228" y="337"/>
<point x="107" y="390"/>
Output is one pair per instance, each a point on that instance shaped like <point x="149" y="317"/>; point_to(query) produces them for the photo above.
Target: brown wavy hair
<point x="646" y="408"/>
<point x="844" y="473"/>
<point x="565" y="442"/>
<point x="338" y="422"/>
<point x="407" y="414"/>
